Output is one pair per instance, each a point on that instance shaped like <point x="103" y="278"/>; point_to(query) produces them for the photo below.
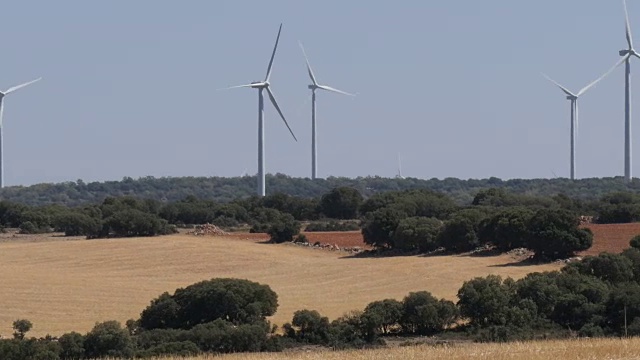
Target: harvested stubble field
<point x="538" y="350"/>
<point x="64" y="286"/>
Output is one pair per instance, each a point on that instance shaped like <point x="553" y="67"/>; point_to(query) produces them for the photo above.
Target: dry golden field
<point x="590" y="349"/>
<point x="65" y="285"/>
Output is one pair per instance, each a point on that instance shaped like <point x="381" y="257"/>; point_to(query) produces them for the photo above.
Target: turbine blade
<point x="329" y="88"/>
<point x="275" y="104"/>
<point x="17" y="87"/>
<point x="628" y="27"/>
<point x="311" y="75"/>
<point x="238" y="86"/>
<point x="1" y="111"/>
<point x="564" y="89"/>
<point x="273" y="55"/>
<point x="584" y="89"/>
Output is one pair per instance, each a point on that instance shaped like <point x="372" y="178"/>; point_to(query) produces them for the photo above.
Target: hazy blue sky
<point x="129" y="87"/>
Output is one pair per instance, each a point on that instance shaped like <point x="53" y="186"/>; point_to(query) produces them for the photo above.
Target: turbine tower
<point x="399" y="176"/>
<point x="626" y="56"/>
<point x="573" y="98"/>
<point x="313" y="87"/>
<point x="2" y="95"/>
<point x="261" y="86"/>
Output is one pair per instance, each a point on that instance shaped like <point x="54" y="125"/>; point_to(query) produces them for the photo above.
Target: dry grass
<point x="538" y="350"/>
<point x="64" y="286"/>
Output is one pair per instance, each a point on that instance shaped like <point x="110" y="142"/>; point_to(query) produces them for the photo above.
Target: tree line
<point x="408" y="220"/>
<point x="222" y="189"/>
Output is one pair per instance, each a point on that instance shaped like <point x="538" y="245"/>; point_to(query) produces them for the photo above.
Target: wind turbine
<point x="573" y="98"/>
<point x="265" y="85"/>
<point x="313" y="87"/>
<point x="399" y="176"/>
<point x="626" y="58"/>
<point x="2" y="95"/>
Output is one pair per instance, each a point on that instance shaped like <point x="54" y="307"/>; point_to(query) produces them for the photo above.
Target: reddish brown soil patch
<point x="341" y="238"/>
<point x="612" y="238"/>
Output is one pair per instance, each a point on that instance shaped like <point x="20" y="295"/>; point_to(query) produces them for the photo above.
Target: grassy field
<point x="539" y="350"/>
<point x="70" y="285"/>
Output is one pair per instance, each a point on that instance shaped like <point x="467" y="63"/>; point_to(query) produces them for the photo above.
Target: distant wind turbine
<point x="399" y="176"/>
<point x="265" y="85"/>
<point x="2" y="95"/>
<point x="313" y="87"/>
<point x="573" y="98"/>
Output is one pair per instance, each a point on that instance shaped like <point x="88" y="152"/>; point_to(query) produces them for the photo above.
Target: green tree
<point x="108" y="339"/>
<point x="20" y="328"/>
<point x="613" y="268"/>
<point x="378" y="227"/>
<point x="382" y="316"/>
<point x="309" y="326"/>
<point x="555" y="234"/>
<point x="507" y="229"/>
<point x="423" y="314"/>
<point x="341" y="203"/>
<point x="72" y="346"/>
<point x="234" y="300"/>
<point x="460" y="233"/>
<point x="486" y="301"/>
<point x="417" y="233"/>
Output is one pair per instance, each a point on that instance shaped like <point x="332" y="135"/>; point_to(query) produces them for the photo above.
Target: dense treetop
<point x="222" y="189"/>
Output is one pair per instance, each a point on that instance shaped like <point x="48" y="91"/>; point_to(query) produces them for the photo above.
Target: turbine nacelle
<point x="626" y="52"/>
<point x="259" y="84"/>
<point x="572" y="98"/>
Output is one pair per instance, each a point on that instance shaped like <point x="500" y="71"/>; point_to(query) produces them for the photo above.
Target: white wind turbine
<point x="313" y="87"/>
<point x="626" y="58"/>
<point x="573" y="98"/>
<point x="265" y="85"/>
<point x="2" y="95"/>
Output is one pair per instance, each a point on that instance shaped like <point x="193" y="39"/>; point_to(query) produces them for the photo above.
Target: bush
<point x="284" y="229"/>
<point x="133" y="222"/>
<point x="77" y="224"/>
<point x="332" y="226"/>
<point x="176" y="348"/>
<point x="28" y="227"/>
<point x="108" y="339"/>
<point x="308" y="326"/>
<point x="72" y="346"/>
<point x="635" y="242"/>
<point x="237" y="301"/>
<point x="259" y="229"/>
<point x="301" y="239"/>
